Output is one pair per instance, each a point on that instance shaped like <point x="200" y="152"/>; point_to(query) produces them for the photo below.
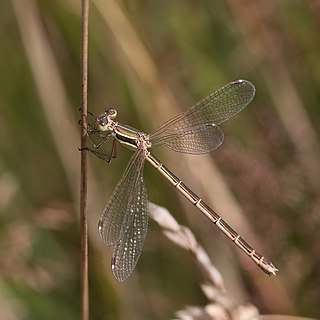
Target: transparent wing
<point x="97" y="137"/>
<point x="129" y="247"/>
<point x="107" y="154"/>
<point x="196" y="140"/>
<point x="189" y="127"/>
<point x="118" y="214"/>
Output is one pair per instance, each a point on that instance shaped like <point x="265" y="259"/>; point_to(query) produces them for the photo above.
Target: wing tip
<point x="237" y="81"/>
<point x="245" y="82"/>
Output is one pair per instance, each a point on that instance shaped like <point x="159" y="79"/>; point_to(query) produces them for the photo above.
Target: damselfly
<point x="124" y="221"/>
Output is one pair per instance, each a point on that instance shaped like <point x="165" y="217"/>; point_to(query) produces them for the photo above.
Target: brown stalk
<point x="84" y="160"/>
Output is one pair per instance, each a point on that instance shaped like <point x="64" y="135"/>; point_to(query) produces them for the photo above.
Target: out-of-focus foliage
<point x="152" y="59"/>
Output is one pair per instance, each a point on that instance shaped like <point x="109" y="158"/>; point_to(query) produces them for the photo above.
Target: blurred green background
<point x="151" y="60"/>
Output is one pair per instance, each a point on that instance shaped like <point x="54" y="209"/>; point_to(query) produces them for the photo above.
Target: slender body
<point x="260" y="260"/>
<point x="125" y="218"/>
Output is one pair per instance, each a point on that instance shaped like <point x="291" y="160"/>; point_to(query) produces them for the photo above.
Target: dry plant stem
<point x="214" y="288"/>
<point x="255" y="24"/>
<point x="83" y="179"/>
<point x="221" y="305"/>
<point x="51" y="90"/>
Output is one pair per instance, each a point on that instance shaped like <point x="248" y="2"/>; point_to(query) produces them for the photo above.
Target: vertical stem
<point x="83" y="181"/>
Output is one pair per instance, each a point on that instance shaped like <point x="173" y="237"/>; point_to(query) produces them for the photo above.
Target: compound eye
<point x="112" y="113"/>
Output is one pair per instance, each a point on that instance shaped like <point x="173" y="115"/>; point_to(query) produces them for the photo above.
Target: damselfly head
<point x="105" y="120"/>
<point x="112" y="113"/>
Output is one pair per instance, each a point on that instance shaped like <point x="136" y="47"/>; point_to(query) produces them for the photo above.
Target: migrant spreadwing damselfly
<point x="124" y="221"/>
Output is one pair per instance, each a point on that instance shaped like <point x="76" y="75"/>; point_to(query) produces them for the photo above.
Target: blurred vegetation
<point x="152" y="59"/>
